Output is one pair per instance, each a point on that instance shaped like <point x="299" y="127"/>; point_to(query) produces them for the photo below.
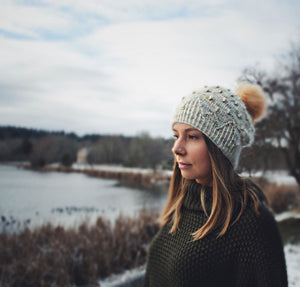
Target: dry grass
<point x="149" y="181"/>
<point x="280" y="197"/>
<point x="55" y="256"/>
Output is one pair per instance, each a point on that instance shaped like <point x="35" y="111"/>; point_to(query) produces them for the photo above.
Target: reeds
<point x="282" y="197"/>
<point x="55" y="256"/>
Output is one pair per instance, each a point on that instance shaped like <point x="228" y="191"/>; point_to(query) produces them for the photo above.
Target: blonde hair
<point x="229" y="191"/>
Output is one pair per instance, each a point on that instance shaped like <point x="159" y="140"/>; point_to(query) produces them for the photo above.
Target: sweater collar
<point x="192" y="198"/>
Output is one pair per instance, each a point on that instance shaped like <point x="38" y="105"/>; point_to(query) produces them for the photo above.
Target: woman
<point x="216" y="229"/>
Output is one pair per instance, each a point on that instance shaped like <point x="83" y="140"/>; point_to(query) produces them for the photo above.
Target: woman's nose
<point x="178" y="148"/>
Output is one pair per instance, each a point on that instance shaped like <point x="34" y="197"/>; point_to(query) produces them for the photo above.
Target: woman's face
<point x="191" y="153"/>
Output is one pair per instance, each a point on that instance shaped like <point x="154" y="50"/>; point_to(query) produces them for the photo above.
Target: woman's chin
<point x="185" y="175"/>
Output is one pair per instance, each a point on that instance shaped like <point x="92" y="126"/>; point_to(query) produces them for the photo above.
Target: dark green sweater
<point x="249" y="254"/>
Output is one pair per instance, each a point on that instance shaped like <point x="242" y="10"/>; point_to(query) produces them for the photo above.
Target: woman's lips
<point x="183" y="165"/>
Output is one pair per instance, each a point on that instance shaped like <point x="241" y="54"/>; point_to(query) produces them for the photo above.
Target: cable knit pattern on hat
<point x="222" y="116"/>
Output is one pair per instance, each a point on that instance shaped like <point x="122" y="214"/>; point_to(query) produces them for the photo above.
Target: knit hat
<point x="226" y="118"/>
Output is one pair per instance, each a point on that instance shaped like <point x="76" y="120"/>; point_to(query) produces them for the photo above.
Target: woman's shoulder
<point x="257" y="222"/>
<point x="256" y="212"/>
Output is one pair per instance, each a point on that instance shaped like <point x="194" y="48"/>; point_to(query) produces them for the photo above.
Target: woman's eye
<point x="193" y="137"/>
<point x="175" y="136"/>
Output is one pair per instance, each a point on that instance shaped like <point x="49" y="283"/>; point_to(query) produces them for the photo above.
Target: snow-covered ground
<point x="128" y="275"/>
<point x="292" y="256"/>
<point x="116" y="168"/>
<point x="286" y="215"/>
<point x="277" y="176"/>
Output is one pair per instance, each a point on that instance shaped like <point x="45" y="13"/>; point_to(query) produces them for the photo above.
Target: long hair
<point x="230" y="193"/>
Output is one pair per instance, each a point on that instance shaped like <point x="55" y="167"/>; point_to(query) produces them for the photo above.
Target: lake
<point x="68" y="198"/>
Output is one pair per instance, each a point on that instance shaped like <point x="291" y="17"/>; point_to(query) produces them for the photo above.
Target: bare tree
<point x="281" y="127"/>
<point x="53" y="149"/>
<point x="109" y="150"/>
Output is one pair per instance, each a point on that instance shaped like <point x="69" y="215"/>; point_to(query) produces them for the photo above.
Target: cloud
<point x="122" y="66"/>
<point x="31" y="21"/>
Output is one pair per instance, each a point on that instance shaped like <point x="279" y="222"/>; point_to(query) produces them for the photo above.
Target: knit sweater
<point x="249" y="254"/>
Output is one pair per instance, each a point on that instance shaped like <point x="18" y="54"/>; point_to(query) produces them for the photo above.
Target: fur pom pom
<point x="254" y="100"/>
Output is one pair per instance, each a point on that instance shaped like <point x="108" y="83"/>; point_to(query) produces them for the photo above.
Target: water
<point x="68" y="198"/>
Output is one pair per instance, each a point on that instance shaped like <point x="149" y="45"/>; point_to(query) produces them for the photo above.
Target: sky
<point x="122" y="66"/>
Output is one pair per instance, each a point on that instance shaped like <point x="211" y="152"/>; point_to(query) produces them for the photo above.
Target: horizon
<point x="67" y="133"/>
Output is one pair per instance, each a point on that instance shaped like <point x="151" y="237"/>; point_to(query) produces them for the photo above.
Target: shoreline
<point x="146" y="179"/>
<point x="280" y="188"/>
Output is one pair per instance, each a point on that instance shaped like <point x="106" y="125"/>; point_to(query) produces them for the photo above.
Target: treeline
<point x="40" y="147"/>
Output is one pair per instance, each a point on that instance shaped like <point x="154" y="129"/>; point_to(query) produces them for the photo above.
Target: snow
<point x="128" y="275"/>
<point x="277" y="176"/>
<point x="118" y="168"/>
<point x="292" y="256"/>
<point x="287" y="214"/>
<point x="115" y="168"/>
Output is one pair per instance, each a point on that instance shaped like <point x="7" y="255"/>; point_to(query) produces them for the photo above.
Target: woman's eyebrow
<point x="188" y="130"/>
<point x="192" y="130"/>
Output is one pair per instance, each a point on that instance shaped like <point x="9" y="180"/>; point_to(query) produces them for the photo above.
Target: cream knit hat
<point x="226" y="118"/>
